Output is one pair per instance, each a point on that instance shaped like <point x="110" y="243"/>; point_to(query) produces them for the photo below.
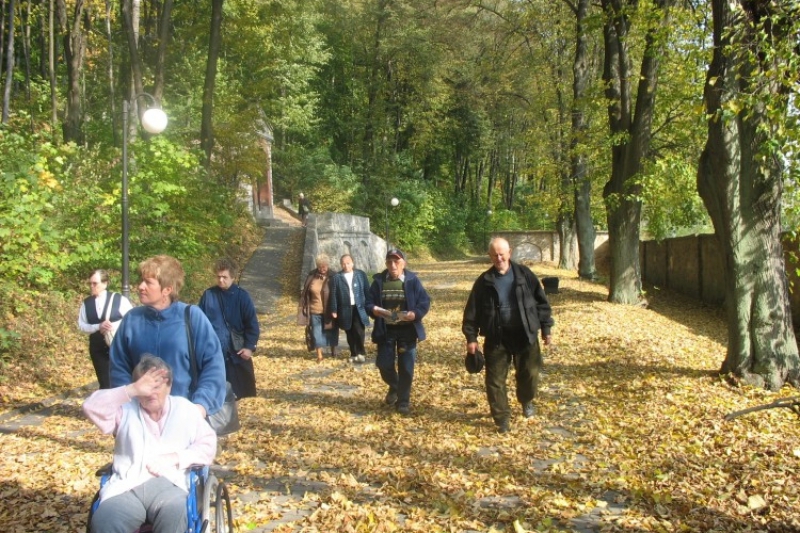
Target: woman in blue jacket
<point x="158" y="327"/>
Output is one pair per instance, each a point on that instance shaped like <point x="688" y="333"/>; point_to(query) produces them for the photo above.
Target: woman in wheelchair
<point x="157" y="438"/>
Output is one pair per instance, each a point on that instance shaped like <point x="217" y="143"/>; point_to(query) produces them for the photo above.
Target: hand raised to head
<point x="150" y="382"/>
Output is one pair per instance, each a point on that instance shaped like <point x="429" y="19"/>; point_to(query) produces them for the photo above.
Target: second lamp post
<point x="394" y="202"/>
<point x="154" y="120"/>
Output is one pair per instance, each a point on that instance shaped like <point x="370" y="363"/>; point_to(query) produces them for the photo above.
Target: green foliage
<point x="449" y="239"/>
<point x="328" y="186"/>
<point x="671" y="203"/>
<point x="35" y="190"/>
<point x="505" y="220"/>
<point x="413" y="221"/>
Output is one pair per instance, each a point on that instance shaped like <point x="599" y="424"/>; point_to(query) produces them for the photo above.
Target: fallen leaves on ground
<point x="629" y="433"/>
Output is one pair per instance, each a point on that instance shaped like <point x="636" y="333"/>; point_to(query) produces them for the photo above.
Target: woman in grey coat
<point x="347" y="303"/>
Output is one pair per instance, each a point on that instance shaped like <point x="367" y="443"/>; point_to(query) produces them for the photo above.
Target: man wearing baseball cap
<point x="398" y="302"/>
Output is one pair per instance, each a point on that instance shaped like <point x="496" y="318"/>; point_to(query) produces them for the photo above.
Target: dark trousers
<point x="241" y="374"/>
<point x="99" y="352"/>
<point x="399" y="377"/>
<point x="355" y="335"/>
<point x="527" y="360"/>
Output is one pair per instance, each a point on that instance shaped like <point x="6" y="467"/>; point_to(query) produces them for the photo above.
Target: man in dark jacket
<point x="508" y="307"/>
<point x="347" y="304"/>
<point x="398" y="302"/>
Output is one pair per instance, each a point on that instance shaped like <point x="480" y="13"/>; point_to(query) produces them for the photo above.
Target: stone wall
<point x="336" y="234"/>
<point x="694" y="266"/>
<point x="546" y="245"/>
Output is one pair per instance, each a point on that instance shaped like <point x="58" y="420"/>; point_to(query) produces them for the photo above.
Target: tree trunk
<point x="206" y="128"/>
<point x="633" y="129"/>
<point x="9" y="64"/>
<point x="74" y="49"/>
<point x="2" y="34"/>
<point x="51" y="62"/>
<point x="130" y="23"/>
<point x="740" y="181"/>
<point x="565" y="223"/>
<point x="26" y="48"/>
<point x="163" y="42"/>
<point x="112" y="93"/>
<point x="582" y="184"/>
<point x="566" y="235"/>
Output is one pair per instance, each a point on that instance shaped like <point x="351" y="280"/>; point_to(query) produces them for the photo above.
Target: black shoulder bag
<point x="226" y="420"/>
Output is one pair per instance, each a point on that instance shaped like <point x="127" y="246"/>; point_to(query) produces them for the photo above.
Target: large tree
<point x="740" y="179"/>
<point x="630" y="119"/>
<point x="214" y="43"/>
<point x="74" y="52"/>
<point x="581" y="181"/>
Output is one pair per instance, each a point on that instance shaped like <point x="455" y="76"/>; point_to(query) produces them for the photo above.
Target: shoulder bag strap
<point x="190" y="339"/>
<point x="107" y="308"/>
<point x="222" y="309"/>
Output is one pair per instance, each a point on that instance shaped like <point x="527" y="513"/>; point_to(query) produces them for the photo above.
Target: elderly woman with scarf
<point x="321" y="330"/>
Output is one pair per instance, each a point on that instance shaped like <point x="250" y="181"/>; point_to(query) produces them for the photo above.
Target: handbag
<point x="226" y="420"/>
<point x="237" y="340"/>
<point x="108" y="336"/>
<point x="237" y="337"/>
<point x="309" y="338"/>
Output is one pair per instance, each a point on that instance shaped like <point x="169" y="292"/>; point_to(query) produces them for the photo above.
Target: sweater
<point x="417" y="300"/>
<point x="138" y="438"/>
<point x="163" y="333"/>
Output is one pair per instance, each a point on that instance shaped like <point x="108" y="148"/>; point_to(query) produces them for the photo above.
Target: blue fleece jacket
<point x="163" y="333"/>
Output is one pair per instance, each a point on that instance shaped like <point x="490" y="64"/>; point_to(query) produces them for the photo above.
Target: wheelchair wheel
<point x="224" y="515"/>
<point x="217" y="513"/>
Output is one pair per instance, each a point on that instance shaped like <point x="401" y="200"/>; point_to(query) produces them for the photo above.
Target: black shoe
<point x="503" y="427"/>
<point x="528" y="410"/>
<point x="403" y="409"/>
<point x="391" y="397"/>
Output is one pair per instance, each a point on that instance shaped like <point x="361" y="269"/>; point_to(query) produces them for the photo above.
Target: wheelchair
<point x="208" y="505"/>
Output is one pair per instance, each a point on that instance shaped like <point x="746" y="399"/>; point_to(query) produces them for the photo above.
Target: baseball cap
<point x="394" y="252"/>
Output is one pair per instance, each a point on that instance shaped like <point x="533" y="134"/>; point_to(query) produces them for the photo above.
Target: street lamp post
<point x="154" y="120"/>
<point x="394" y="202"/>
<point x="485" y="222"/>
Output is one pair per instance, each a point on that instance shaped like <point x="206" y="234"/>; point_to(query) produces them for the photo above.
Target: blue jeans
<point x="323" y="337"/>
<point x="395" y="360"/>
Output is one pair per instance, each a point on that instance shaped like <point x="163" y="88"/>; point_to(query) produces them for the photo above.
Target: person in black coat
<point x="347" y="306"/>
<point x="303" y="208"/>
<point x="508" y="307"/>
<point x="233" y="316"/>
